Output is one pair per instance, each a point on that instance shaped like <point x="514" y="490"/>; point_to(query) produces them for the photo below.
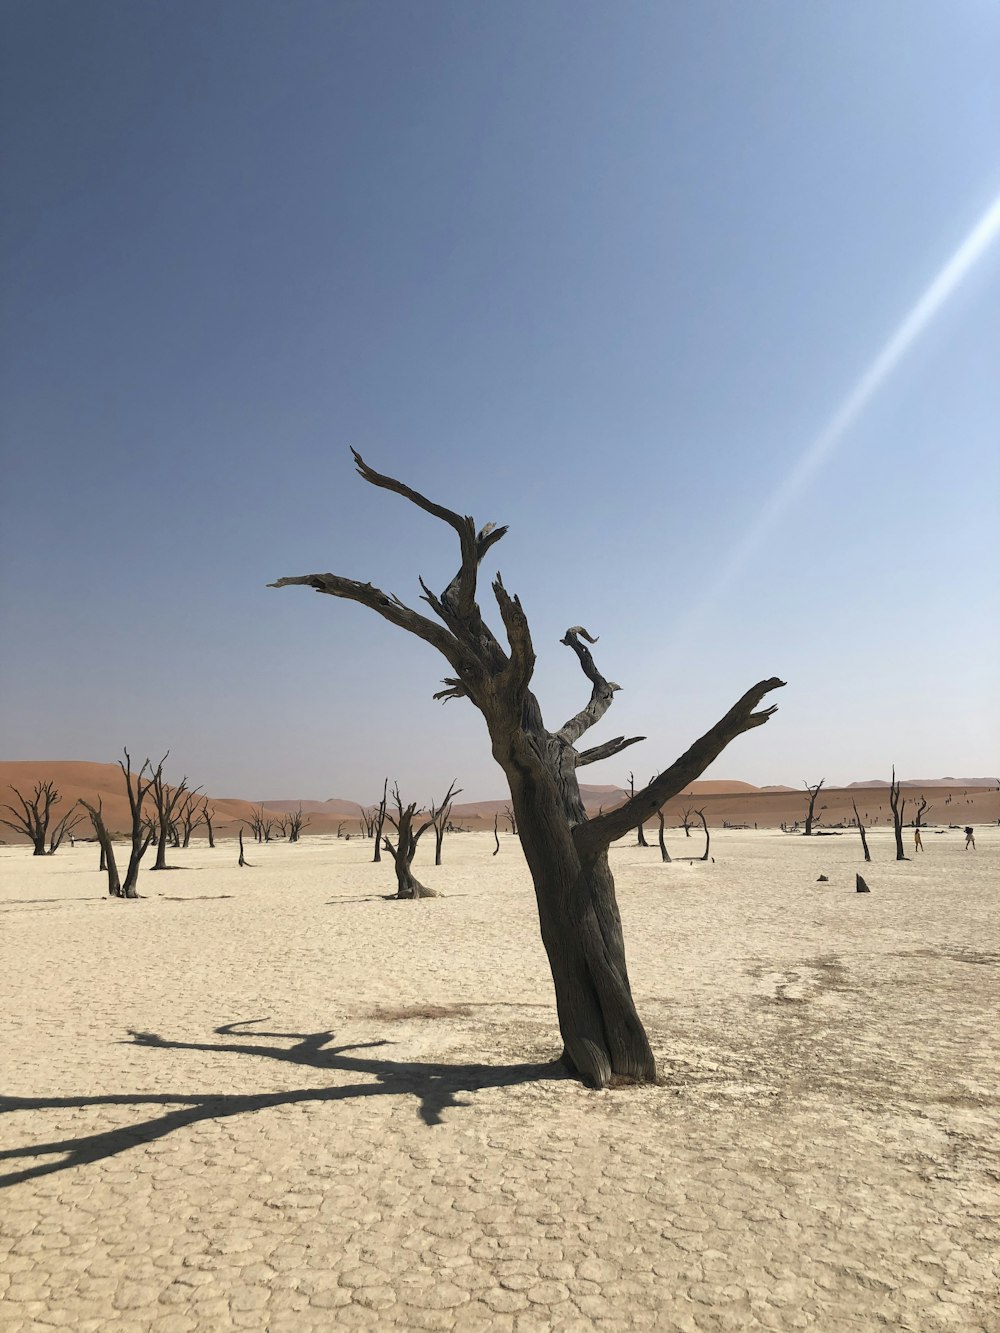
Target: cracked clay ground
<point x="268" y="1099"/>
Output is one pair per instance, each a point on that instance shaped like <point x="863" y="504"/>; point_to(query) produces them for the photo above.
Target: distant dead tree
<point x="567" y="853"/>
<point x="297" y="821"/>
<point x="639" y="830"/>
<point x="96" y="813"/>
<point x="686" y="817"/>
<point x="208" y="817"/>
<point x="380" y="821"/>
<point x="704" y="824"/>
<point x="511" y="818"/>
<point x="243" y="860"/>
<point x="407" y="885"/>
<point x="261" y="824"/>
<point x="496" y="831"/>
<point x="35" y="814"/>
<point x="861" y="830"/>
<point x="137" y="786"/>
<point x="664" y="854"/>
<point x="812" y="817"/>
<point x="440" y="814"/>
<point x="166" y="801"/>
<point x="191" y="814"/>
<point x="918" y="818"/>
<point x="897" y="806"/>
<point x="369" y="814"/>
<point x="67" y="824"/>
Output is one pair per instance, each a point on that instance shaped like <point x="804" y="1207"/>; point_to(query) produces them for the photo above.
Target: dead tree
<point x="639" y="830"/>
<point x="664" y="854"/>
<point x="243" y="860"/>
<point x="511" y="818"/>
<point x="704" y="824"/>
<point x="566" y="852"/>
<point x="861" y="830"/>
<point x="142" y="829"/>
<point x="407" y="884"/>
<point x="812" y="817"/>
<point x="897" y="806"/>
<point x="96" y="813"/>
<point x="918" y="818"/>
<point x="380" y="821"/>
<point x="167" y="802"/>
<point x="686" y="814"/>
<point x="440" y="814"/>
<point x="297" y="821"/>
<point x="208" y="814"/>
<point x="191" y="814"/>
<point x="67" y="824"/>
<point x="34" y="815"/>
<point x="496" y="832"/>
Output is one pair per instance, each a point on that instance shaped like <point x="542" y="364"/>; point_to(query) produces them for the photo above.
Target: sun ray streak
<point x="944" y="284"/>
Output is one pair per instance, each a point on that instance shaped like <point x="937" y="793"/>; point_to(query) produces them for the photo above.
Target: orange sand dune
<point x="724" y="801"/>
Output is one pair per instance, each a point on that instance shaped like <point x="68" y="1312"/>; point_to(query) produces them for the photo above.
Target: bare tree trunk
<point x="243" y="860"/>
<point x="897" y="807"/>
<point x="686" y="821"/>
<point x="496" y="832"/>
<point x="861" y="830"/>
<point x="811" y="817"/>
<point x="640" y="831"/>
<point x="566" y="852"/>
<point x="380" y="821"/>
<point x="141" y="831"/>
<point x="107" y="850"/>
<point x="208" y="816"/>
<point x="665" y="855"/>
<point x="704" y="824"/>
<point x="440" y="814"/>
<point x="166" y="800"/>
<point x="407" y="884"/>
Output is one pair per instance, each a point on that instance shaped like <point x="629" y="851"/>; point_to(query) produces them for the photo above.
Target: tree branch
<point x="597" y="833"/>
<point x="460" y="595"/>
<point x="389" y="608"/>
<point x="601" y="695"/>
<point x="607" y="750"/>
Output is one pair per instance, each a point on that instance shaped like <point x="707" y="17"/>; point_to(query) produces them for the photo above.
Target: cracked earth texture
<point x="268" y="1099"/>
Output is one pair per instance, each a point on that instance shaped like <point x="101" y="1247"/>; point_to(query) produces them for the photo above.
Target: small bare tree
<point x="664" y="854"/>
<point x="167" y="801"/>
<point x="897" y="805"/>
<point x="496" y="831"/>
<point x="511" y="818"/>
<point x="380" y="821"/>
<point x="440" y="814"/>
<point x="922" y="808"/>
<point x="407" y="884"/>
<point x="687" y="815"/>
<point x="208" y="815"/>
<point x="640" y="831"/>
<point x="243" y="860"/>
<point x="704" y="824"/>
<point x="96" y="813"/>
<point x="191" y="814"/>
<point x="861" y="830"/>
<point x="297" y="821"/>
<point x="812" y="817"/>
<point x="32" y="819"/>
<point x="142" y="828"/>
<point x="566" y="852"/>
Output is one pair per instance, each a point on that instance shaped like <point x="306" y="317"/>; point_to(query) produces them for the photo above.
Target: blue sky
<point x="600" y="272"/>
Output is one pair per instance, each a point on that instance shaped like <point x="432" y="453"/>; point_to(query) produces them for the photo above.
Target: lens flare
<point x="965" y="258"/>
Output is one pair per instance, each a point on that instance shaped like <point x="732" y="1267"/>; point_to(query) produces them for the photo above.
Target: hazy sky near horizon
<point x="602" y="272"/>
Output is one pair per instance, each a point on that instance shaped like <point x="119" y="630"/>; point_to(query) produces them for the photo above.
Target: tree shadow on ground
<point x="434" y="1085"/>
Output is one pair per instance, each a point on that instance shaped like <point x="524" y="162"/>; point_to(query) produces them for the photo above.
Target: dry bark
<point x="566" y="853"/>
<point x="897" y="806"/>
<point x="861" y="830"/>
<point x="407" y="884"/>
<point x="142" y="829"/>
<point x="812" y="817"/>
<point x="96" y="813"/>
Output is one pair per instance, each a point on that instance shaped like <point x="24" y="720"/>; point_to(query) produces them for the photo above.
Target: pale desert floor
<point x="268" y="1099"/>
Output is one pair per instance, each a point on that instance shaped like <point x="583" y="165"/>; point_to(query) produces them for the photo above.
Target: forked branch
<point x="601" y="695"/>
<point x="597" y="833"/>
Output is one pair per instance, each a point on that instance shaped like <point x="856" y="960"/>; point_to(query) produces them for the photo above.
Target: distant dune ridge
<point x="951" y="801"/>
